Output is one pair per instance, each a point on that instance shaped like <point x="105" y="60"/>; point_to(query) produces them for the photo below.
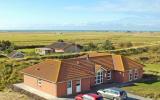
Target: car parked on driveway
<point x="113" y="93"/>
<point x="90" y="96"/>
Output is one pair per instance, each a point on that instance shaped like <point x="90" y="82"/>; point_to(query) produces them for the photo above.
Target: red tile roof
<point x="61" y="70"/>
<point x="68" y="69"/>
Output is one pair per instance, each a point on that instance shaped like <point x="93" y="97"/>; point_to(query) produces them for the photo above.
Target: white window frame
<point x="39" y="82"/>
<point x="69" y="87"/>
<point x="69" y="83"/>
<point x="109" y="75"/>
<point x="135" y="74"/>
<point x="79" y="85"/>
<point x="100" y="75"/>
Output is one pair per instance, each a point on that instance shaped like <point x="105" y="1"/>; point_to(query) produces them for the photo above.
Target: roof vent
<point x="38" y="68"/>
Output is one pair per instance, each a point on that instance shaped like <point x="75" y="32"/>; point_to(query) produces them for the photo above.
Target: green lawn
<point x="152" y="68"/>
<point x="27" y="50"/>
<point x="145" y="89"/>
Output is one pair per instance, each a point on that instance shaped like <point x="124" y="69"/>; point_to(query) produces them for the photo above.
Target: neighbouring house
<point x="44" y="51"/>
<point x="74" y="75"/>
<point x="62" y="47"/>
<point x="16" y="54"/>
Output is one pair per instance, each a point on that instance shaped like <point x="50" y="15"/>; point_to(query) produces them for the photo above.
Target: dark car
<point x="113" y="93"/>
<point x="90" y="96"/>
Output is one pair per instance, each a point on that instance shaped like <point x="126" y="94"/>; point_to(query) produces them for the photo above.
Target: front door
<point x="69" y="87"/>
<point x="78" y="86"/>
<point x="99" y="77"/>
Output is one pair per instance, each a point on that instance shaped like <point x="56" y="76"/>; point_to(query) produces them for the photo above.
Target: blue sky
<point x="80" y="14"/>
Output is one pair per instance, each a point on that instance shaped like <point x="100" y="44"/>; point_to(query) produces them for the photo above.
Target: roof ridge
<point x="58" y="70"/>
<point x="121" y="61"/>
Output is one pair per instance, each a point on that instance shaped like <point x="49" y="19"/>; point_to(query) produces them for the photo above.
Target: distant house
<point x="16" y="54"/>
<point x="62" y="47"/>
<point x="44" y="51"/>
<point x="74" y="75"/>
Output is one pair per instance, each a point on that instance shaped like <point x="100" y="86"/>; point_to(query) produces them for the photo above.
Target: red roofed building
<point x="71" y="76"/>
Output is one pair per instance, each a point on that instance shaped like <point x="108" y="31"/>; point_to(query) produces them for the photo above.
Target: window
<point x="69" y="84"/>
<point x="114" y="92"/>
<point x="135" y="74"/>
<point x="99" y="77"/>
<point x="109" y="75"/>
<point x="39" y="82"/>
<point x="130" y="75"/>
<point x="78" y="83"/>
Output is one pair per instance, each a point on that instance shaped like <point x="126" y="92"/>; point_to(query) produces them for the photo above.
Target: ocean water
<point x="72" y="31"/>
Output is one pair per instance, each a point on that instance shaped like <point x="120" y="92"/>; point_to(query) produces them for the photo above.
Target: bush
<point x="6" y="46"/>
<point x="107" y="45"/>
<point x="143" y="59"/>
<point x="90" y="46"/>
<point x="125" y="44"/>
<point x="9" y="73"/>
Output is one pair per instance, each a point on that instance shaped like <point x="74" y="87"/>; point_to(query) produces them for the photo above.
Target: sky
<point x="143" y="15"/>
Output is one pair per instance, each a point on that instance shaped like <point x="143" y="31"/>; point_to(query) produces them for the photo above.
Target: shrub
<point x="125" y="44"/>
<point x="6" y="46"/>
<point x="60" y="40"/>
<point x="90" y="46"/>
<point x="107" y="45"/>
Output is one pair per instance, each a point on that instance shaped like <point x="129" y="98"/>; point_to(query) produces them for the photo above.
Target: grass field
<point x="41" y="38"/>
<point x="145" y="89"/>
<point x="152" y="68"/>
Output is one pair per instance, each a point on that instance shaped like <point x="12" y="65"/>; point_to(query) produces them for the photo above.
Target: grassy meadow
<point x="45" y="38"/>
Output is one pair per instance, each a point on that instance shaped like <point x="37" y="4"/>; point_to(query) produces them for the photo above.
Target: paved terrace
<point x="40" y="95"/>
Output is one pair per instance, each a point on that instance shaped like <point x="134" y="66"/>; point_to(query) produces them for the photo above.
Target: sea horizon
<point x="39" y="30"/>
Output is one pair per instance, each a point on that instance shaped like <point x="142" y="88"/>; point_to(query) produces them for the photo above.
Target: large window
<point x="109" y="75"/>
<point x="99" y="77"/>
